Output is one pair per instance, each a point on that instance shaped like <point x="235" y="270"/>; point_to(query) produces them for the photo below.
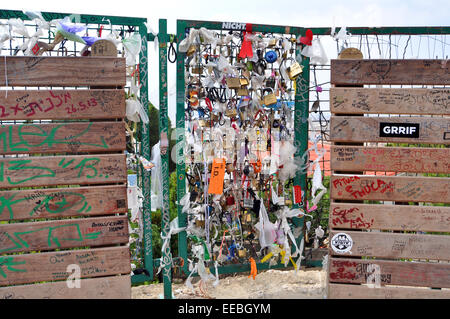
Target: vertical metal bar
<point x="145" y="151"/>
<point x="181" y="167"/>
<point x="301" y="129"/>
<point x="164" y="145"/>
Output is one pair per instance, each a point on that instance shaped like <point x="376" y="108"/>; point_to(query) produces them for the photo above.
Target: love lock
<point x="269" y="99"/>
<point x="294" y="70"/>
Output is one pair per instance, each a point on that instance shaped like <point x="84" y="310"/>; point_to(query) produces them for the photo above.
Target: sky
<point x="317" y="13"/>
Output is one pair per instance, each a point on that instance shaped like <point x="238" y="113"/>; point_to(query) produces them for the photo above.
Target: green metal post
<point x="164" y="145"/>
<point x="181" y="167"/>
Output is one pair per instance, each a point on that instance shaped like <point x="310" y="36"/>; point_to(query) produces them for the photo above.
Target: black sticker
<point x="407" y="130"/>
<point x="121" y="203"/>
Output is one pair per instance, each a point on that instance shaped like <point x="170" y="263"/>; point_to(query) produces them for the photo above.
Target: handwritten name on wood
<point x="390" y="101"/>
<point x="62" y="202"/>
<point x="28" y="268"/>
<point x="391" y="188"/>
<point x="391" y="245"/>
<point x="62" y="71"/>
<point x="390" y="159"/>
<point x="62" y="170"/>
<point x="62" y="104"/>
<point x="68" y="233"/>
<point x="400" y="273"/>
<point x="403" y="71"/>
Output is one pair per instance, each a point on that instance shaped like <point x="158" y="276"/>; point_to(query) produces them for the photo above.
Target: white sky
<point x="317" y="13"/>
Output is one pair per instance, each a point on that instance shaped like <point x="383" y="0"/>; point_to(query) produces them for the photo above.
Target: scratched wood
<point x="63" y="170"/>
<point x="28" y="268"/>
<point x="401" y="273"/>
<point x="380" y="71"/>
<point x="395" y="245"/>
<point x="62" y="71"/>
<point x="116" y="287"/>
<point x="389" y="101"/>
<point x="62" y="104"/>
<point x="390" y="159"/>
<point x="389" y="217"/>
<point x="62" y="202"/>
<point x="66" y="233"/>
<point x="391" y="188"/>
<point x="367" y="129"/>
<point x="342" y="291"/>
<point x="62" y="137"/>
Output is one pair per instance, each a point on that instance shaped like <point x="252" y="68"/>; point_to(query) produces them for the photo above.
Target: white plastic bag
<point x="132" y="46"/>
<point x="266" y="229"/>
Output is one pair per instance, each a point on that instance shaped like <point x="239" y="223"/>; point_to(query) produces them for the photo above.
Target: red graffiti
<point x="344" y="181"/>
<point x="348" y="217"/>
<point x="378" y="186"/>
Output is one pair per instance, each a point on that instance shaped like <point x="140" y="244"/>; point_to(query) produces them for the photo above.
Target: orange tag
<point x="217" y="175"/>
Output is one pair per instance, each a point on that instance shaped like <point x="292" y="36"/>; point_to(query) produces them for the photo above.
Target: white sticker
<point x="341" y="243"/>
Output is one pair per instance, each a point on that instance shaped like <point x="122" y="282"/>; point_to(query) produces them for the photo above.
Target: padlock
<point x="270" y="82"/>
<point x="242" y="92"/>
<point x="197" y="70"/>
<point x="200" y="223"/>
<point x="294" y="70"/>
<point x="243" y="81"/>
<point x="233" y="83"/>
<point x="242" y="253"/>
<point x="191" y="50"/>
<point x="269" y="99"/>
<point x="272" y="42"/>
<point x="231" y="112"/>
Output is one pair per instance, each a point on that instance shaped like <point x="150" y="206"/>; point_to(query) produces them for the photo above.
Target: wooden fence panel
<point x="62" y="202"/>
<point x="390" y="129"/>
<point x="390" y="159"/>
<point x="345" y="100"/>
<point x="62" y="71"/>
<point x="404" y="71"/>
<point x="62" y="104"/>
<point x="62" y="170"/>
<point x="116" y="287"/>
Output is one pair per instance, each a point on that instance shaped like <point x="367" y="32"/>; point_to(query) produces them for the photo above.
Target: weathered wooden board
<point x="401" y="273"/>
<point x="62" y="137"/>
<point x="404" y="71"/>
<point x="62" y="71"/>
<point x="62" y="170"/>
<point x="389" y="217"/>
<point x="389" y="101"/>
<point x="28" y="268"/>
<point x="394" y="245"/>
<point x="62" y="202"/>
<point x="371" y="129"/>
<point x="62" y="104"/>
<point x="114" y="287"/>
<point x="342" y="291"/>
<point x="391" y="188"/>
<point x="66" y="233"/>
<point x="390" y="159"/>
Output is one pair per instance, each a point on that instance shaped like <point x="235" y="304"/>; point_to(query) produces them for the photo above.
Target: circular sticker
<point x="341" y="243"/>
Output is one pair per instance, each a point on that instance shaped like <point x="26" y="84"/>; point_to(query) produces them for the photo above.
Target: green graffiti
<point x="60" y="204"/>
<point x="20" y="243"/>
<point x="9" y="263"/>
<point x="82" y="165"/>
<point x="27" y="133"/>
<point x="20" y="166"/>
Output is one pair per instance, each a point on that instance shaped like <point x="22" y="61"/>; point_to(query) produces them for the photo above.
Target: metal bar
<point x="386" y="30"/>
<point x="181" y="167"/>
<point x="164" y="146"/>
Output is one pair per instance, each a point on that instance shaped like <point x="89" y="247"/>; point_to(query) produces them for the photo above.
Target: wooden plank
<point x="382" y="71"/>
<point x="391" y="188"/>
<point x="394" y="245"/>
<point x="390" y="159"/>
<point x="62" y="71"/>
<point x="62" y="170"/>
<point x="389" y="217"/>
<point x="340" y="291"/>
<point x="62" y="104"/>
<point x="66" y="233"/>
<point x="62" y="137"/>
<point x="389" y="101"/>
<point x="28" y="268"/>
<point x="62" y="202"/>
<point x="401" y="273"/>
<point x="115" y="287"/>
<point x="371" y="129"/>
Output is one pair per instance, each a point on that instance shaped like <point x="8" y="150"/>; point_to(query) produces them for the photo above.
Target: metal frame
<point x="300" y="124"/>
